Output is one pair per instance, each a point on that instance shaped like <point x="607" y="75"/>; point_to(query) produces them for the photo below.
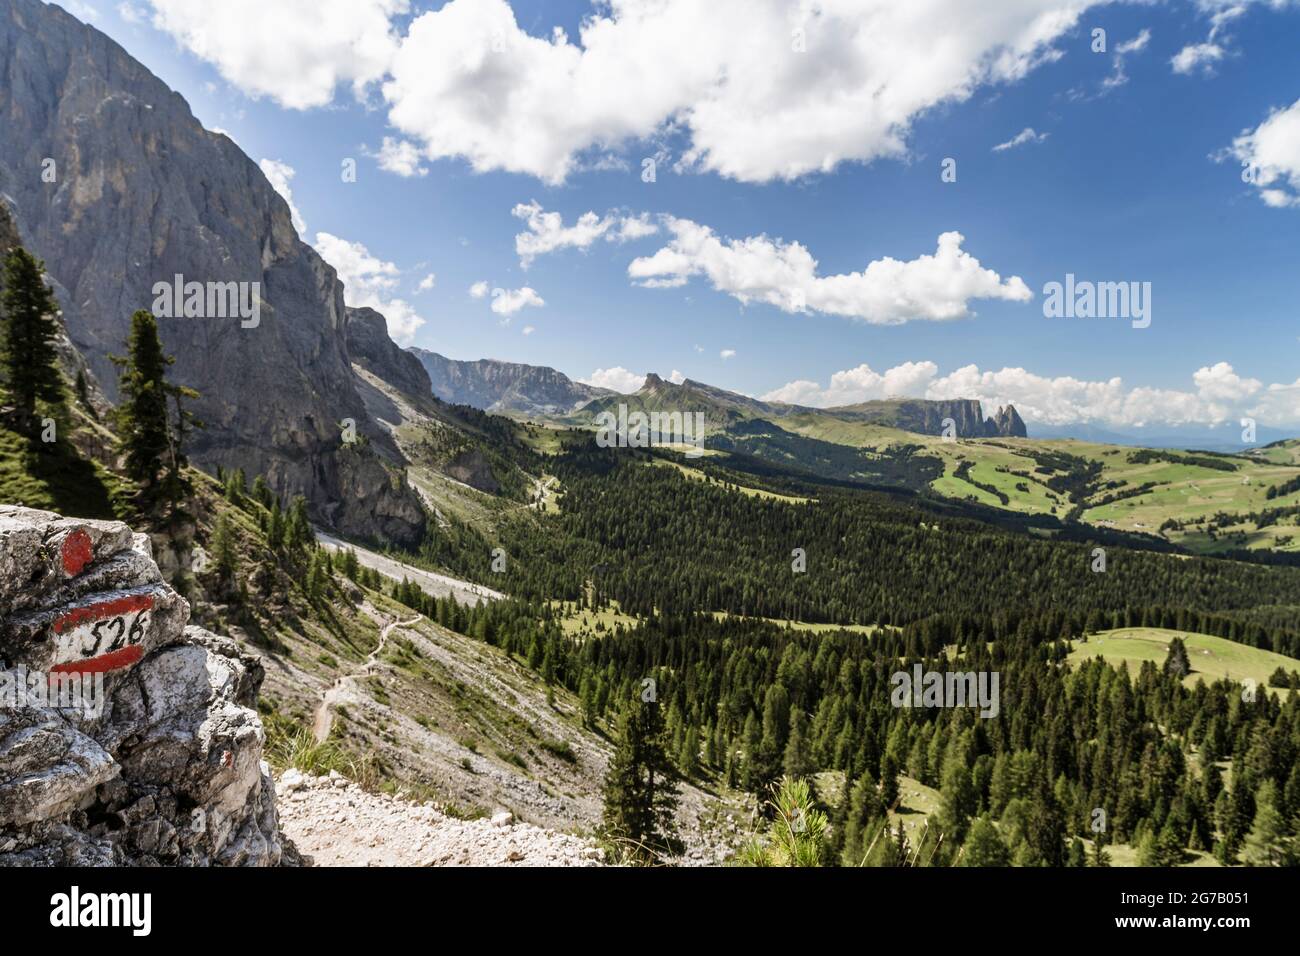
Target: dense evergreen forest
<point x="1091" y="753"/>
<point x="658" y="542"/>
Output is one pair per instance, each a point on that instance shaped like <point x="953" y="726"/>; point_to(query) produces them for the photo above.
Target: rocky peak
<point x="150" y="750"/>
<point x="371" y="348"/>
<point x="1008" y="423"/>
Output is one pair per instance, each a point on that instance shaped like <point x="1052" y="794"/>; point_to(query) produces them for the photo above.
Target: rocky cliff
<point x="118" y="187"/>
<point x="926" y="417"/>
<point x="372" y="349"/>
<point x="126" y="738"/>
<point x="505" y="386"/>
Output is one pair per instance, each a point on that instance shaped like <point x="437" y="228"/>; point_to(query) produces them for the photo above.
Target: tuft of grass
<point x="290" y="744"/>
<point x="511" y="757"/>
<point x="559" y="748"/>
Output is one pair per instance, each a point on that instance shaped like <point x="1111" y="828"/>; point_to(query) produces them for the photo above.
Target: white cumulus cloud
<point x="509" y="301"/>
<point x="547" y="232"/>
<point x="399" y="156"/>
<point x="295" y="52"/>
<point x="1271" y="152"/>
<point x="1196" y="56"/>
<point x="810" y="87"/>
<point x="617" y="378"/>
<point x="1218" y="394"/>
<point x="784" y="274"/>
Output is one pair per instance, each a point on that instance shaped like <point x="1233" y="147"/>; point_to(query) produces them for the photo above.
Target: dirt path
<point x="324" y="719"/>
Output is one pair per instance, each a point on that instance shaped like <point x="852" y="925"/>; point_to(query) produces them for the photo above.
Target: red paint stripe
<point x="124" y="657"/>
<point x="78" y="551"/>
<point x="122" y="605"/>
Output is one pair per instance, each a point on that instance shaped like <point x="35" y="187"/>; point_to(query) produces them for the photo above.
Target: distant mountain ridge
<point x="497" y="386"/>
<point x="724" y="409"/>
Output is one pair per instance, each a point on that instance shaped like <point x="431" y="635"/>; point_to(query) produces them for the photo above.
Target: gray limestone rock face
<point x="371" y="348"/>
<point x="155" y="756"/>
<point x="505" y="386"/>
<point x="116" y="185"/>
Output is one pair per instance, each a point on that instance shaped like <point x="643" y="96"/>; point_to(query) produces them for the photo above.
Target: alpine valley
<point x="458" y="628"/>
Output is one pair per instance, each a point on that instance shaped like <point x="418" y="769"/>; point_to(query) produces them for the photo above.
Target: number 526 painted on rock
<point x="103" y="636"/>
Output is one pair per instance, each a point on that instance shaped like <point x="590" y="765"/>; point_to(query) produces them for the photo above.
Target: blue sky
<point x="1139" y="180"/>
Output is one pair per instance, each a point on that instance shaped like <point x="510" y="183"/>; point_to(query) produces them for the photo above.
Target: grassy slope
<point x="1183" y="492"/>
<point x="696" y="475"/>
<point x="55" y="478"/>
<point x="1212" y="657"/>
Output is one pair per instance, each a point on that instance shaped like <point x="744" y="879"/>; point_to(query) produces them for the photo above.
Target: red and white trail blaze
<point x="102" y="637"/>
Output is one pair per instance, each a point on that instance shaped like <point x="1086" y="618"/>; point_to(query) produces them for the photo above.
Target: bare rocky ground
<point x="336" y="823"/>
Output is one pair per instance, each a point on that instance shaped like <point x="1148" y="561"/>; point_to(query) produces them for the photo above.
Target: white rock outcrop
<point x="126" y="738"/>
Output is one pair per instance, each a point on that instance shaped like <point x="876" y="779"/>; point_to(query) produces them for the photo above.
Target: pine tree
<point x="641" y="785"/>
<point x="82" y="390"/>
<point x="262" y="493"/>
<point x="1268" y="843"/>
<point x="888" y="781"/>
<point x="297" y="528"/>
<point x="1076" y="856"/>
<point x="225" y="559"/>
<point x="175" y="486"/>
<point x="866" y="813"/>
<point x="1045" y="832"/>
<point x="275" y="526"/>
<point x="984" y="845"/>
<point x="1149" y="851"/>
<point x="1177" y="664"/>
<point x="28" y="328"/>
<point x="798" y="762"/>
<point x="236" y="487"/>
<point x="959" y="800"/>
<point x="351" y="566"/>
<point x="318" y="576"/>
<point x="689" y="761"/>
<point x="151" y="440"/>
